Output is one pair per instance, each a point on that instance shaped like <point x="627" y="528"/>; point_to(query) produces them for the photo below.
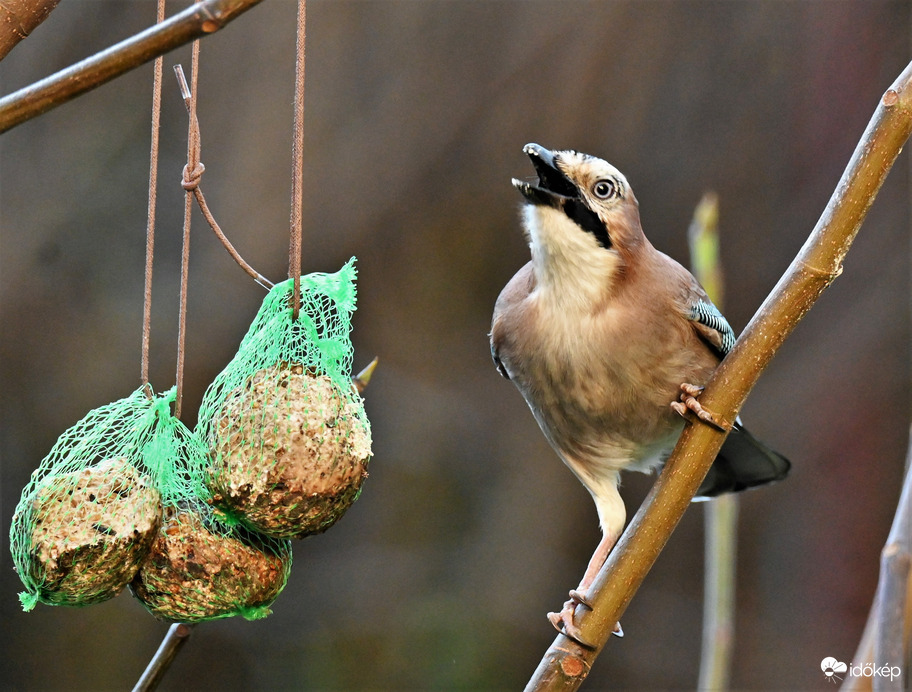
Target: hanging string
<point x="150" y="218"/>
<point x="297" y="172"/>
<point x="191" y="184"/>
<point x="193" y="171"/>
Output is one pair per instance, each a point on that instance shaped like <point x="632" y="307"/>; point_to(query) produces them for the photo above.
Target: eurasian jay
<point x="609" y="341"/>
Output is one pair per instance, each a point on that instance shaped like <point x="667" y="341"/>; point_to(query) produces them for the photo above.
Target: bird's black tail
<point x="743" y="462"/>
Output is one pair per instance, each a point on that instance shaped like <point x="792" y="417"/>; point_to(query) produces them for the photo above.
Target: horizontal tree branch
<point x="201" y="19"/>
<point x="819" y="262"/>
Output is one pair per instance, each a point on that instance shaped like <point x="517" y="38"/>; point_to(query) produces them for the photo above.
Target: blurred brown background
<point x="469" y="528"/>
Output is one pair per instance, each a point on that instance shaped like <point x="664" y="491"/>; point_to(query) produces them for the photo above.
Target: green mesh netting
<point x="288" y="438"/>
<point x="201" y="569"/>
<point x="89" y="514"/>
<point x="114" y="489"/>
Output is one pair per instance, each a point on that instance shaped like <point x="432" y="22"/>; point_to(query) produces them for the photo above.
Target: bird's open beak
<point x="553" y="186"/>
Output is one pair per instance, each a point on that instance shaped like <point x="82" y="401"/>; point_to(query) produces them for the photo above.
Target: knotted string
<point x="190" y="182"/>
<point x="191" y="178"/>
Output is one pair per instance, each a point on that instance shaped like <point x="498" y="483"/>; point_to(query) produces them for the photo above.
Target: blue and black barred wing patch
<point x="712" y="326"/>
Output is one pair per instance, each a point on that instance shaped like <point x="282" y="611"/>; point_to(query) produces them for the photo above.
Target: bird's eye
<point x="605" y="189"/>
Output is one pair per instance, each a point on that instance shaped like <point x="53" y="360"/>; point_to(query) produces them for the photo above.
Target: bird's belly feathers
<point x="603" y="424"/>
<point x="601" y="395"/>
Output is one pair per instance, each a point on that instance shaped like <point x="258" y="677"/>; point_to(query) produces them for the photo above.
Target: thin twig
<point x="719" y="584"/>
<point x="565" y="664"/>
<point x="721" y="513"/>
<point x="200" y="20"/>
<point x="297" y="168"/>
<point x="363" y="378"/>
<point x="150" y="217"/>
<point x="886" y="637"/>
<point x="176" y="637"/>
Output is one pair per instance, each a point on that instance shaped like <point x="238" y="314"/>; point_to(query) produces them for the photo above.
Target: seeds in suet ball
<point x="199" y="569"/>
<point x="290" y="452"/>
<point x="90" y="530"/>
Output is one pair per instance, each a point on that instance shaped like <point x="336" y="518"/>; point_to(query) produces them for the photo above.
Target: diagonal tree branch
<point x="201" y="19"/>
<point x="174" y="640"/>
<point x="566" y="664"/>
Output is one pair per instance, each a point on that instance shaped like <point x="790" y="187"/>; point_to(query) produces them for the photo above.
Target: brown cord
<point x="210" y="219"/>
<point x="150" y="219"/>
<point x="191" y="178"/>
<point x="192" y="172"/>
<point x="190" y="182"/>
<point x="297" y="171"/>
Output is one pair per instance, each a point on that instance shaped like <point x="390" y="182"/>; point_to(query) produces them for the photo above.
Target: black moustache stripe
<point x="580" y="214"/>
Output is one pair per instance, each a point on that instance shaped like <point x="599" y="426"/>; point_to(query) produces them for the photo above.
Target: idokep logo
<point x="830" y="667"/>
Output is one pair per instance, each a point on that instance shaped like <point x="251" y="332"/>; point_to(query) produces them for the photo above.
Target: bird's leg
<point x="688" y="404"/>
<point x="563" y="621"/>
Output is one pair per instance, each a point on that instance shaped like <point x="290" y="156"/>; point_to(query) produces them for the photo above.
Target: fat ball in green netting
<point x="199" y="569"/>
<point x="289" y="441"/>
<point x="89" y="514"/>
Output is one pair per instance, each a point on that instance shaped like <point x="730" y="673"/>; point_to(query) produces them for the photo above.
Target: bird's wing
<point x="498" y="363"/>
<point x="505" y="311"/>
<point x="711" y="326"/>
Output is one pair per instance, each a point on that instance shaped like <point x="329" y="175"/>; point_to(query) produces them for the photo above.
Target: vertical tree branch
<point x="720" y="580"/>
<point x="886" y="637"/>
<point x="819" y="262"/>
<point x="720" y="513"/>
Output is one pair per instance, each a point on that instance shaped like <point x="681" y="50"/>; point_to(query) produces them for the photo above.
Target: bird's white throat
<point x="571" y="268"/>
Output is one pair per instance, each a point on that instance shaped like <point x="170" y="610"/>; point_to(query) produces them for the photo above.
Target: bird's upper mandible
<point x="588" y="192"/>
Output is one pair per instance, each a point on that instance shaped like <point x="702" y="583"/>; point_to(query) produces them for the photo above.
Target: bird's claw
<point x="688" y="403"/>
<point x="563" y="621"/>
<point x="581" y="597"/>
